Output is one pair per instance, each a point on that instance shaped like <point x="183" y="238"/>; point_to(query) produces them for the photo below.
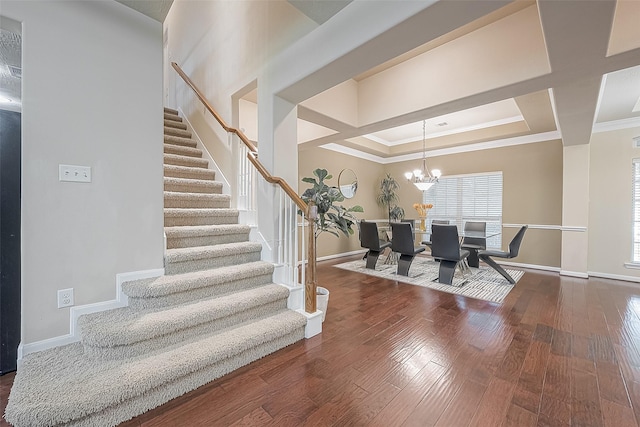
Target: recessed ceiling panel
<point x="485" y="116"/>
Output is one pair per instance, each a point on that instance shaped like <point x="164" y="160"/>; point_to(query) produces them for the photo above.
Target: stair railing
<point x="289" y="204"/>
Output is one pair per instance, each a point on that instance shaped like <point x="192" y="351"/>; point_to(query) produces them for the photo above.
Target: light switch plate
<point x="74" y="173"/>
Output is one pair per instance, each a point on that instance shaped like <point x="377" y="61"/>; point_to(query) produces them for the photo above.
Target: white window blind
<point x="636" y="210"/>
<point x="465" y="198"/>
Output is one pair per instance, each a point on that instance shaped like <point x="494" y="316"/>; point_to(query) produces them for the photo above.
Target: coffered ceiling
<point x="530" y="71"/>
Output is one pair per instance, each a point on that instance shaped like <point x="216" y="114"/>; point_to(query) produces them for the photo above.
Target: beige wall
<point x="92" y="95"/>
<point x="224" y="58"/>
<point x="610" y="208"/>
<point x="367" y="172"/>
<point x="532" y="193"/>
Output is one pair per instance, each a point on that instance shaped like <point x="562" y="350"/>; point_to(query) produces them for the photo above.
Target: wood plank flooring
<point x="559" y="351"/>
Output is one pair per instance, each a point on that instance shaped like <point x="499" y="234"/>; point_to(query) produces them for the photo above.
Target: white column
<point x="278" y="152"/>
<point x="575" y="210"/>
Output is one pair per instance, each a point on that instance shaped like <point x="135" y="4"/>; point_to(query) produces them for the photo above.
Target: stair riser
<point x="182" y="151"/>
<point x="172" y="117"/>
<point x="200" y="293"/>
<point x="144" y="347"/>
<point x="197" y="204"/>
<point x="174" y="140"/>
<point x="177" y="132"/>
<point x="175" y="125"/>
<point x="207" y="263"/>
<point x="199" y="220"/>
<point x="189" y="242"/>
<point x="170" y="390"/>
<point x="190" y="162"/>
<point x="193" y="173"/>
<point x="212" y="188"/>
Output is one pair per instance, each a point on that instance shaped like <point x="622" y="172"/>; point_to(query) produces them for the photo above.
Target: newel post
<point x="310" y="285"/>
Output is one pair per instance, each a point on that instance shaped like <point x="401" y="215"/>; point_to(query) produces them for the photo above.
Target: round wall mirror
<point x="348" y="183"/>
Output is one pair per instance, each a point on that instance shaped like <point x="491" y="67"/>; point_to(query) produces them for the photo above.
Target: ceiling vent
<point x="442" y="124"/>
<point x="15" y="71"/>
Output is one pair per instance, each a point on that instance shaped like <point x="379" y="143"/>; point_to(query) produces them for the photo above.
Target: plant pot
<point x="322" y="300"/>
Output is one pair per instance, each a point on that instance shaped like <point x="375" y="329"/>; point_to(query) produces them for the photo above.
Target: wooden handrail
<point x="252" y="155"/>
<point x="204" y="101"/>
<point x="253" y="151"/>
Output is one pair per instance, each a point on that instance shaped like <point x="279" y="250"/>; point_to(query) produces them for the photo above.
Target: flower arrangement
<point x="422" y="208"/>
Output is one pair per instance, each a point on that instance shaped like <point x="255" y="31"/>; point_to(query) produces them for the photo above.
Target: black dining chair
<point x="369" y="239"/>
<point x="514" y="248"/>
<point x="435" y="221"/>
<point x="402" y="242"/>
<point x="474" y="244"/>
<point x="445" y="247"/>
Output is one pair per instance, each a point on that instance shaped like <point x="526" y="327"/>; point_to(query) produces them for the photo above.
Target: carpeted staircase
<point x="215" y="310"/>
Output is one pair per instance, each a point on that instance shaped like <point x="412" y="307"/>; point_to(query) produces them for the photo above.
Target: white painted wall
<point x="92" y="95"/>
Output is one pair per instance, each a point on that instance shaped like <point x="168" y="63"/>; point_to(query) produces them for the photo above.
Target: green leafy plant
<point x="332" y="217"/>
<point x="388" y="198"/>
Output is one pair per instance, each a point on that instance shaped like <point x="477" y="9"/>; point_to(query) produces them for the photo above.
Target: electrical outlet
<point x="74" y="173"/>
<point x="65" y="298"/>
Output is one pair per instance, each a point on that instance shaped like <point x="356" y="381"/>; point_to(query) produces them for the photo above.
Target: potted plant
<point x="388" y="198"/>
<point x="332" y="217"/>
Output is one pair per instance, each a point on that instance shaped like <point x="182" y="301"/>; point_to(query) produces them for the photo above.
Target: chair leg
<point x="446" y="271"/>
<point x="404" y="262"/>
<point x="372" y="258"/>
<point x="472" y="259"/>
<point x="499" y="269"/>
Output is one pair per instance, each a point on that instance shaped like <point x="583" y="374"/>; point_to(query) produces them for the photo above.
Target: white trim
<point x="530" y="266"/>
<point x="506" y="142"/>
<point x="344" y="254"/>
<point x="549" y="227"/>
<point x="578" y="274"/>
<point x="314" y="323"/>
<point x="226" y="187"/>
<point x="620" y="277"/>
<point x="603" y="83"/>
<point x="504" y="121"/>
<point x="631" y="122"/>
<point x="121" y="300"/>
<point x="632" y="265"/>
<point x="553" y="110"/>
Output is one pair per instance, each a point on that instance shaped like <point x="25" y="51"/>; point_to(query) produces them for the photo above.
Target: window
<point x="636" y="210"/>
<point x="465" y="198"/>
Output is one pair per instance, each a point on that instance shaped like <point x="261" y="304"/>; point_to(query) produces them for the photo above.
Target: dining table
<point x="426" y="236"/>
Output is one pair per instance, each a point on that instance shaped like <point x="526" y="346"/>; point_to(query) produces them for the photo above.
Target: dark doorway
<point x="10" y="158"/>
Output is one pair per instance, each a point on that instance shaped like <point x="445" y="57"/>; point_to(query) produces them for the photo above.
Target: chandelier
<point x="423" y="179"/>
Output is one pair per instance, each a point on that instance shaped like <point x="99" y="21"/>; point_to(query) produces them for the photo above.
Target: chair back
<point x="514" y="246"/>
<point x="479" y="226"/>
<point x="402" y="241"/>
<point x="445" y="243"/>
<point x="369" y="235"/>
<point x="410" y="221"/>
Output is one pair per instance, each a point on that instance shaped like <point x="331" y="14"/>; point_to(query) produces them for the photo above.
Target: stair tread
<point x="192" y="181"/>
<point x="173" y="212"/>
<point x="188" y="151"/>
<point x="188" y="159"/>
<point x="201" y="252"/>
<point x="179" y="141"/>
<point x="97" y="386"/>
<point x="185" y="195"/>
<point x="167" y="285"/>
<point x="205" y="230"/>
<point x="125" y="326"/>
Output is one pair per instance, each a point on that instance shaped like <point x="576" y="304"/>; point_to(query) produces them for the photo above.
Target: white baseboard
<point x="75" y="312"/>
<point x="344" y="254"/>
<point x="634" y="280"/>
<point x="578" y="274"/>
<point x="530" y="266"/>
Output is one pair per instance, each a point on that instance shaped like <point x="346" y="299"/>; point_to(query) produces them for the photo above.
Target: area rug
<point x="482" y="283"/>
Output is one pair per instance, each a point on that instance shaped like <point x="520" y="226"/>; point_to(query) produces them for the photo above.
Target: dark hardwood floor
<point x="559" y="351"/>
